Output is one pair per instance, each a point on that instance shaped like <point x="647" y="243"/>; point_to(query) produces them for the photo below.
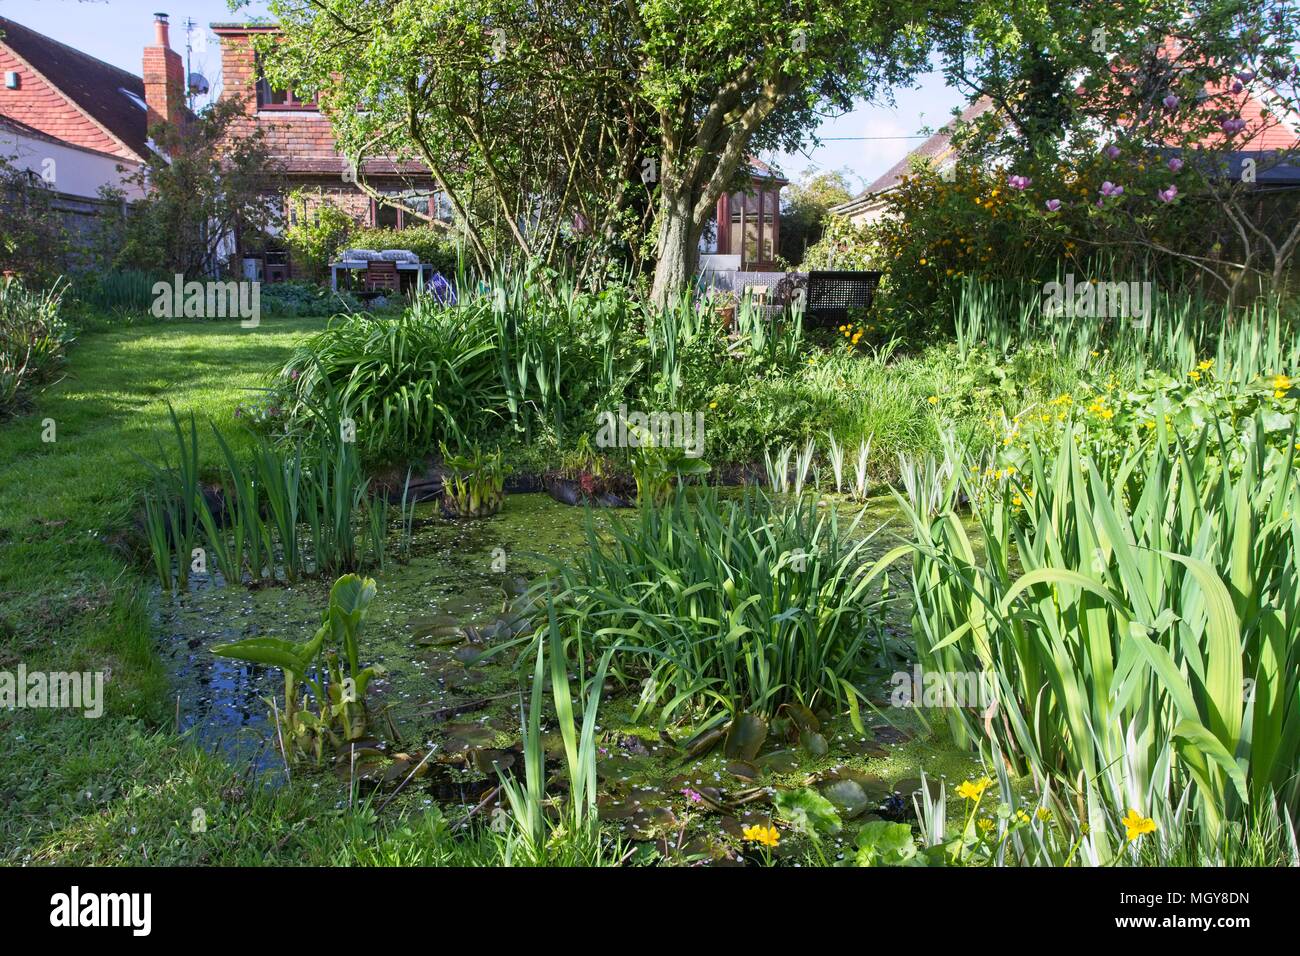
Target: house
<point x="869" y="206"/>
<point x="745" y="233"/>
<point x="380" y="193"/>
<point x="1270" y="129"/>
<point x="81" y="124"/>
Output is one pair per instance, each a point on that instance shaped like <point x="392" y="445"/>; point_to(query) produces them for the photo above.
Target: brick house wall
<point x="301" y="139"/>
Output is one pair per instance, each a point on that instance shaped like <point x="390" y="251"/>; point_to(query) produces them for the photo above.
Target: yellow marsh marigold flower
<point x="1206" y="365"/>
<point x="1281" y="383"/>
<point x="985" y="824"/>
<point x="1194" y="375"/>
<point x="933" y="399"/>
<point x="1043" y="813"/>
<point x="766" y="835"/>
<point x="1135" y="825"/>
<point x="974" y="789"/>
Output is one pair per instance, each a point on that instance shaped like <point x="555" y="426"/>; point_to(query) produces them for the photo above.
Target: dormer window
<point x="269" y="98"/>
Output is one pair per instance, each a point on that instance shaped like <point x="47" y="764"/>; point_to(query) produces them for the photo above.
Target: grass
<point x="69" y="599"/>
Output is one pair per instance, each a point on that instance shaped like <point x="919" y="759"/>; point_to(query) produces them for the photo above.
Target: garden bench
<point x="826" y="297"/>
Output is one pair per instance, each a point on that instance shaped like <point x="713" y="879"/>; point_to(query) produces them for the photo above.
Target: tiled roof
<point x="764" y="170"/>
<point x="934" y="148"/>
<point x="111" y="96"/>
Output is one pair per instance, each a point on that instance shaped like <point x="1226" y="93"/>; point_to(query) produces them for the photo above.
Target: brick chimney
<point x="164" y="77"/>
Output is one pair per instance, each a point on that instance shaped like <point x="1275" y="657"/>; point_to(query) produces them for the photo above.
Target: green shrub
<point x="305" y="298"/>
<point x="319" y="229"/>
<point x="118" y="291"/>
<point x="409" y="383"/>
<point x="33" y="338"/>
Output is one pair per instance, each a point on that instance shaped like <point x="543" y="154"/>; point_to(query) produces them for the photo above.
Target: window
<point x="273" y="99"/>
<point x="399" y="210"/>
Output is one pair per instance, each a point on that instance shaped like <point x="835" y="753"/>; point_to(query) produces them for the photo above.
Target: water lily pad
<point x="814" y="743"/>
<point x="801" y="717"/>
<point x="889" y="735"/>
<point x="745" y="737"/>
<point x="649" y="823"/>
<point x="847" y="796"/>
<point x="743" y="769"/>
<point x="489" y="760"/>
<point x="703" y="742"/>
<point x="780" y="761"/>
<point x="467" y="654"/>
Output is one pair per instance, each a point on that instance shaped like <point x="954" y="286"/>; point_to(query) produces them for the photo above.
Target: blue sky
<point x="117" y="31"/>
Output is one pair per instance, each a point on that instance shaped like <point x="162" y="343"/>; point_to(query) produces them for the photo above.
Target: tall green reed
<point x="1139" y="620"/>
<point x="730" y="605"/>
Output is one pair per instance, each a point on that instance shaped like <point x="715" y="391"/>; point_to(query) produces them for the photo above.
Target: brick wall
<point x="164" y="79"/>
<point x="302" y="140"/>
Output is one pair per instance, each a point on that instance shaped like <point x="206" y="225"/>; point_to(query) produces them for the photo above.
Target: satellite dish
<point x="198" y="84"/>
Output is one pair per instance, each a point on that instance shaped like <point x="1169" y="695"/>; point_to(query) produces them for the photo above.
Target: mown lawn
<point x="120" y="788"/>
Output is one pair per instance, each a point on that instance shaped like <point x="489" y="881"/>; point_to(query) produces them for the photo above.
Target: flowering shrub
<point x="1108" y="420"/>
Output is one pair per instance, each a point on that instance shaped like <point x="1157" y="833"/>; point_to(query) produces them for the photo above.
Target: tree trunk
<point x="679" y="250"/>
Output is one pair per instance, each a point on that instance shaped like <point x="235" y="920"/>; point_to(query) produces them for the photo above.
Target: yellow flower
<point x="1022" y="816"/>
<point x="923" y="262"/>
<point x="1281" y="383"/>
<point x="1135" y="825"/>
<point x="713" y="404"/>
<point x="933" y="399"/>
<point x="974" y="789"/>
<point x="1194" y="375"/>
<point x="984" y="824"/>
<point x="766" y="835"/>
<point x="1206" y="365"/>
<point x="1016" y="501"/>
<point x="1043" y="813"/>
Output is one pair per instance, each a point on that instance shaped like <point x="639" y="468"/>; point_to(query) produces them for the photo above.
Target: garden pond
<point x="457" y="597"/>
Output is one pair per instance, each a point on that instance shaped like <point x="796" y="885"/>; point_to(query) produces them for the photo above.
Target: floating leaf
<point x="745" y="737"/>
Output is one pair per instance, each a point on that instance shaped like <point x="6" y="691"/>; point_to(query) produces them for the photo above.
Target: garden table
<point x="424" y="269"/>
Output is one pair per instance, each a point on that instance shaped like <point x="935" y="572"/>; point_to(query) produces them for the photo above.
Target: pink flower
<point x="1019" y="182"/>
<point x="1232" y="126"/>
<point x="1175" y="165"/>
<point x="1053" y="205"/>
<point x="691" y="795"/>
<point x="1109" y="189"/>
<point x="293" y="375"/>
<point x="1171" y="102"/>
<point x="1167" y="195"/>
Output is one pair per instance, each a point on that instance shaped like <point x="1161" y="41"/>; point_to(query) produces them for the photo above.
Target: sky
<point x="863" y="143"/>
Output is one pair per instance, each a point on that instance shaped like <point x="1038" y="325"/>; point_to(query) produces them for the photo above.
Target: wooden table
<point x="354" y="264"/>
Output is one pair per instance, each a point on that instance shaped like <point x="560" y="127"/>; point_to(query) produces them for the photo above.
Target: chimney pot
<point x="160" y="29"/>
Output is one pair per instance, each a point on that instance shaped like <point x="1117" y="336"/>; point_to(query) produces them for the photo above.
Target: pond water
<point x="461" y="573"/>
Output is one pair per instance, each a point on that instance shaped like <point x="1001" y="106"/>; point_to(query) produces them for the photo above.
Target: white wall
<point x="68" y="170"/>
